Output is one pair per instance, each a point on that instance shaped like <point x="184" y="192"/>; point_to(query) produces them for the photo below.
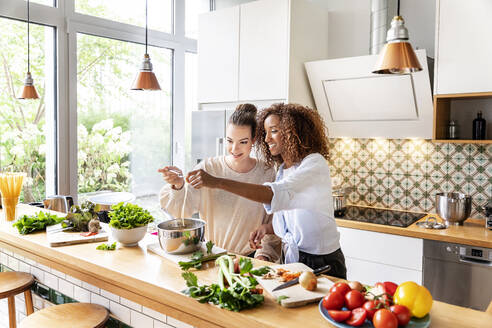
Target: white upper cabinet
<point x="356" y="103"/>
<point x="218" y="60"/>
<point x="264" y="51"/>
<point x="256" y="51"/>
<point x="463" y="48"/>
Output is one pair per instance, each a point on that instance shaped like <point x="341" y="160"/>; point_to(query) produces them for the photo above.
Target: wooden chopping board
<point x="156" y="248"/>
<point x="297" y="296"/>
<point x="63" y="238"/>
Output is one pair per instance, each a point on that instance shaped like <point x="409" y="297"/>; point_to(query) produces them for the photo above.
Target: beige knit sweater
<point x="230" y="218"/>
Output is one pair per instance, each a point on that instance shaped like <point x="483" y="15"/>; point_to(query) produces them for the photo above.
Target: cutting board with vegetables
<point x="58" y="238"/>
<point x="296" y="295"/>
<point x="156" y="248"/>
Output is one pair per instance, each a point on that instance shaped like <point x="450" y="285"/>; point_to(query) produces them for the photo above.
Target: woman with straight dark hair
<point x="229" y="218"/>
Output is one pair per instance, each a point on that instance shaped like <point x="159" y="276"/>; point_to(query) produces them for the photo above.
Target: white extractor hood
<point x="357" y="103"/>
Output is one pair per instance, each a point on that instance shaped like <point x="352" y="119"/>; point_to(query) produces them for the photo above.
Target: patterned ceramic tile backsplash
<point x="406" y="173"/>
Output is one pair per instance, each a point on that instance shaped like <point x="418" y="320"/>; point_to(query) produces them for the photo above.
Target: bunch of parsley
<point x="29" y="223"/>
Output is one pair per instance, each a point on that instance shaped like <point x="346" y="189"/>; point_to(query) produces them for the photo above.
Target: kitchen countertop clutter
<point x="156" y="283"/>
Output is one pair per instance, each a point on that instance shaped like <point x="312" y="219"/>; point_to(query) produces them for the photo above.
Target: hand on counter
<point x="256" y="236"/>
<point x="172" y="175"/>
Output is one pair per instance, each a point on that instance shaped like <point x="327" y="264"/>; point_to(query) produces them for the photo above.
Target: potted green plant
<point x="129" y="223"/>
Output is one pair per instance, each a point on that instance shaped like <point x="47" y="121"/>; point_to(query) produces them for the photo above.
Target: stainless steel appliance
<point x="458" y="274"/>
<point x="380" y="216"/>
<point x="453" y="207"/>
<point x="58" y="203"/>
<point x="208" y="133"/>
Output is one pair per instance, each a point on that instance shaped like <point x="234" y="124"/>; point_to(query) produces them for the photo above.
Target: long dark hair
<point x="245" y="115"/>
<point x="302" y="130"/>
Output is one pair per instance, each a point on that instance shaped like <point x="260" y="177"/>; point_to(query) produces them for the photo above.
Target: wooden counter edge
<point x="182" y="310"/>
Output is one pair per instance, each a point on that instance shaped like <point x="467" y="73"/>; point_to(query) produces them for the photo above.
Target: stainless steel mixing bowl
<point x="176" y="239"/>
<point x="453" y="207"/>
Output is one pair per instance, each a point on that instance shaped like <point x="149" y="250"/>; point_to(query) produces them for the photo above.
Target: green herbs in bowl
<point x="129" y="223"/>
<point x="129" y="216"/>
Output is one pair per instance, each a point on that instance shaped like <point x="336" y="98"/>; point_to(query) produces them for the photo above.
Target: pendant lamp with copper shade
<point x="146" y="79"/>
<point x="397" y="56"/>
<point x="28" y="91"/>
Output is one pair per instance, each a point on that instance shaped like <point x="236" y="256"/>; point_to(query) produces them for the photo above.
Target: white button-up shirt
<point x="302" y="207"/>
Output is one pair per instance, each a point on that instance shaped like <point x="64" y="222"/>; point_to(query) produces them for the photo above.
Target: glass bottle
<point x="452" y="130"/>
<point x="479" y="125"/>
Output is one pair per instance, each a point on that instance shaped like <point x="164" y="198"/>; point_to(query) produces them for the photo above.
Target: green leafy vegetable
<point x="190" y="278"/>
<point x="280" y="298"/>
<point x="210" y="245"/>
<point x="29" y="223"/>
<point x="246" y="266"/>
<point x="129" y="216"/>
<point x="106" y="247"/>
<point x="197" y="255"/>
<point x="240" y="292"/>
<point x="79" y="216"/>
<point x="260" y="271"/>
<point x="197" y="262"/>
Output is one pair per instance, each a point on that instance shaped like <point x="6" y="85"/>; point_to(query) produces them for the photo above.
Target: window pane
<point x="130" y="12"/>
<point x="191" y="103"/>
<point x="26" y="137"/>
<point x="193" y="8"/>
<point x="124" y="136"/>
<point x="50" y="3"/>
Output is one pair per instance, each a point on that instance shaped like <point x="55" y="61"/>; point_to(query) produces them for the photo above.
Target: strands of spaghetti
<point x="10" y="187"/>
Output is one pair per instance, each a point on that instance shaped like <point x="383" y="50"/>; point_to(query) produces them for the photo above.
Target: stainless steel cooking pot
<point x="453" y="207"/>
<point x="175" y="238"/>
<point x="339" y="200"/>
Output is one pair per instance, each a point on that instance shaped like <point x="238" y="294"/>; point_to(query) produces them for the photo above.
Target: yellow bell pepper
<point x="416" y="298"/>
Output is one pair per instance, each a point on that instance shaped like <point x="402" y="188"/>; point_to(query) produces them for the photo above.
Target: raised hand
<point x="200" y="178"/>
<point x="172" y="175"/>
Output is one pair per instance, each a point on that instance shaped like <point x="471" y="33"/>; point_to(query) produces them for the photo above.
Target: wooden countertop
<point x="155" y="282"/>
<point x="472" y="232"/>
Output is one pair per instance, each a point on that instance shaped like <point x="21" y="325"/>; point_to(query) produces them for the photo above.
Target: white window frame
<point x="68" y="23"/>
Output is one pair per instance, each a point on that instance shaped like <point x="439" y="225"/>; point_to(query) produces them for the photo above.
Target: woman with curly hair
<point x="293" y="137"/>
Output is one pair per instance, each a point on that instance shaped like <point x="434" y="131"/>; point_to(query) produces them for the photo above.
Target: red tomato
<point x="354" y="299"/>
<point x="371" y="307"/>
<point x="236" y="265"/>
<point x="402" y="314"/>
<point x="333" y="301"/>
<point x="341" y="287"/>
<point x="357" y="317"/>
<point x="383" y="318"/>
<point x="338" y="315"/>
<point x="390" y="287"/>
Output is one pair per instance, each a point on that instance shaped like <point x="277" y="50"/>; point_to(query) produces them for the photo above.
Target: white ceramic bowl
<point x="129" y="237"/>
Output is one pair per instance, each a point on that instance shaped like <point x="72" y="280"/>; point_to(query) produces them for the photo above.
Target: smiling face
<point x="239" y="142"/>
<point x="272" y="135"/>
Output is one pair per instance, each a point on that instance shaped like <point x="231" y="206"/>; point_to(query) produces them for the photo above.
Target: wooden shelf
<point x="442" y="116"/>
<point x="463" y="141"/>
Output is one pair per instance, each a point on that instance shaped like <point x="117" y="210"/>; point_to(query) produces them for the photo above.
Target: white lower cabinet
<point x="373" y="256"/>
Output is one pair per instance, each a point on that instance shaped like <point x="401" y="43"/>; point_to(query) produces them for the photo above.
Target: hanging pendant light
<point x="28" y="91"/>
<point x="397" y="56"/>
<point x="146" y="79"/>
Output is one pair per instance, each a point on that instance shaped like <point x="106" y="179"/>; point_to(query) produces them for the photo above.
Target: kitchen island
<point x="147" y="279"/>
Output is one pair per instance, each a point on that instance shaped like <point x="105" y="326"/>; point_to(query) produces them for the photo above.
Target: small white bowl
<point x="129" y="237"/>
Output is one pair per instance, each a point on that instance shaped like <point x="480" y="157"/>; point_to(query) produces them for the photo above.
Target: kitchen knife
<point x="293" y="282"/>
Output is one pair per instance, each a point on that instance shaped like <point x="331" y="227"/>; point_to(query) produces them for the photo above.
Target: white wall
<point x="420" y="20"/>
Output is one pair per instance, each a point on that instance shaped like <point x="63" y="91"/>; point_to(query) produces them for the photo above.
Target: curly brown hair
<point x="302" y="130"/>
